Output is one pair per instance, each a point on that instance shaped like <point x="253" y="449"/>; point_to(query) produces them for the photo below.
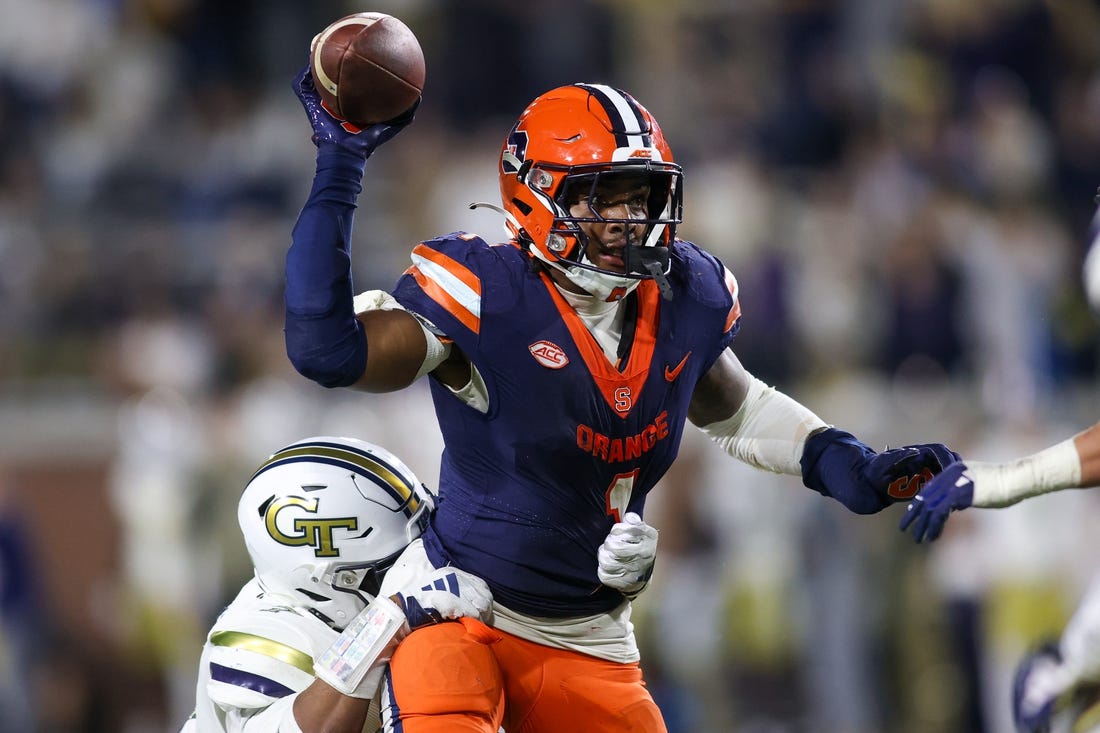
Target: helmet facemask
<point x="645" y="256"/>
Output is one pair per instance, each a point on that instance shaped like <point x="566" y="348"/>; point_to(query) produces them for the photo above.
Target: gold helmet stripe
<point x="369" y="466"/>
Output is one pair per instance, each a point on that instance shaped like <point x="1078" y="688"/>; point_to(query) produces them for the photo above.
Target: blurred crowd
<point x="902" y="187"/>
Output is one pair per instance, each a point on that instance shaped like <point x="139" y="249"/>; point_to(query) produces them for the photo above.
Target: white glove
<point x="444" y="594"/>
<point x="626" y="557"/>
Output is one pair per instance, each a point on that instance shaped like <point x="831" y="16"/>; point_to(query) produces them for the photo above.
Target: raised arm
<point x="765" y="428"/>
<point x="380" y="349"/>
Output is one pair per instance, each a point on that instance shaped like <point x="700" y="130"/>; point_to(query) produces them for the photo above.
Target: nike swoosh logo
<point x="671" y="374"/>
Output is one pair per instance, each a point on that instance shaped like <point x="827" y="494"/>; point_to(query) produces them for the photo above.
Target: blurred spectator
<point x="22" y="629"/>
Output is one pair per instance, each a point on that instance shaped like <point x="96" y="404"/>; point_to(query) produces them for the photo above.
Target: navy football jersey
<point x="570" y="441"/>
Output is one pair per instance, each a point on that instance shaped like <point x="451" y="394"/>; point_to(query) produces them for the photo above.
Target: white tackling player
<point x="303" y="647"/>
<point x="1062" y="681"/>
<point x="1056" y="684"/>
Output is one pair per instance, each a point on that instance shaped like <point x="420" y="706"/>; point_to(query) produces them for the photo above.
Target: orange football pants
<point x="468" y="678"/>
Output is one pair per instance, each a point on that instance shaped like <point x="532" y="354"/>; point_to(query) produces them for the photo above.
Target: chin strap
<point x="653" y="265"/>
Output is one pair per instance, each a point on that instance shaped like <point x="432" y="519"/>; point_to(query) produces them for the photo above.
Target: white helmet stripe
<point x="630" y="128"/>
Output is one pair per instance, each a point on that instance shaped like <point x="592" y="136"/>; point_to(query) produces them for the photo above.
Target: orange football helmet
<point x="563" y="143"/>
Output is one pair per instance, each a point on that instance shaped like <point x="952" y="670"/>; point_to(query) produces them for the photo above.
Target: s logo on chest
<point x="549" y="354"/>
<point x="624" y="400"/>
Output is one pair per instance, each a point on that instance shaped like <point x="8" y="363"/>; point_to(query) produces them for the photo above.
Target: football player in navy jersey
<point x="563" y="366"/>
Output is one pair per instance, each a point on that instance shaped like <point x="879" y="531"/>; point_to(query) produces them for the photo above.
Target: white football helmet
<point x="324" y="519"/>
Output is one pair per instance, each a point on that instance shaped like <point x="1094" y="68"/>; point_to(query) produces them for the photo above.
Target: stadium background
<point x="902" y="187"/>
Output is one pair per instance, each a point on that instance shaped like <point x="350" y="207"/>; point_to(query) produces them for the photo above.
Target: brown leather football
<point x="367" y="67"/>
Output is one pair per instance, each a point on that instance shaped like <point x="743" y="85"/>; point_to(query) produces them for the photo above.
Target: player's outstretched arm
<point x="325" y="340"/>
<point x="1070" y="464"/>
<point x="763" y="427"/>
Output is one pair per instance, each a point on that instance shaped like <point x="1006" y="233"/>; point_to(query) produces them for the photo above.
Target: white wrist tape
<point x="769" y="430"/>
<point x="354" y="663"/>
<point x="1002" y="484"/>
<point x="379" y="300"/>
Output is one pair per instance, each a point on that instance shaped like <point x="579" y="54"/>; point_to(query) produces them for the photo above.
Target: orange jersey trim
<point x="438" y="291"/>
<point x="607" y="377"/>
<point x="735" y="309"/>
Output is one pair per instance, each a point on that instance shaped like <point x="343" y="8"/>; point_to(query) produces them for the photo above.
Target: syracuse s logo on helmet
<point x="515" y="151"/>
<point x="315" y="533"/>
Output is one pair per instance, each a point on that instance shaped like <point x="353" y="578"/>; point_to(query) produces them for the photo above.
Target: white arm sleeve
<point x="769" y="431"/>
<point x="1003" y="484"/>
<point x="379" y="300"/>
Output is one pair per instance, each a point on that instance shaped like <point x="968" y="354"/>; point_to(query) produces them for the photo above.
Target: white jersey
<point x="257" y="657"/>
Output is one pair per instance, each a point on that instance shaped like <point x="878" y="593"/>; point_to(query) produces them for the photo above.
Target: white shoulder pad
<point x="260" y="651"/>
<point x="250" y="671"/>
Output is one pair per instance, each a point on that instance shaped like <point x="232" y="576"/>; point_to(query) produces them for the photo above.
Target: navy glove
<point x="836" y="464"/>
<point x="1033" y="699"/>
<point x="331" y="130"/>
<point x="951" y="490"/>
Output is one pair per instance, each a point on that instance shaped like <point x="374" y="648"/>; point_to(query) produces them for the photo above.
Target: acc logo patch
<point x="549" y="354"/>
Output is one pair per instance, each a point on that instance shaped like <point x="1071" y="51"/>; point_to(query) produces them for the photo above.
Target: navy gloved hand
<point x="331" y="130"/>
<point x="835" y="463"/>
<point x="950" y="491"/>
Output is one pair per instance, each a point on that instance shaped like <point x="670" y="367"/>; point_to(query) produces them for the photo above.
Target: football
<point x="367" y="67"/>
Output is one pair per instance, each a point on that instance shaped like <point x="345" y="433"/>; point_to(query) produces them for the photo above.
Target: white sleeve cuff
<point x="1002" y="484"/>
<point x="436" y="352"/>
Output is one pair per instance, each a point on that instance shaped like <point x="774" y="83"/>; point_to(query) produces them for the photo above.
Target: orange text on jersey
<point x="618" y="450"/>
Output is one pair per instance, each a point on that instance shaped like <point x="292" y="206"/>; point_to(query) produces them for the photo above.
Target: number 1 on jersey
<point x="617" y="497"/>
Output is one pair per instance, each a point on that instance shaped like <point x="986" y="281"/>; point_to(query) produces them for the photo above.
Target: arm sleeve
<point x="768" y="431"/>
<point x="1004" y="484"/>
<point x="324" y="340"/>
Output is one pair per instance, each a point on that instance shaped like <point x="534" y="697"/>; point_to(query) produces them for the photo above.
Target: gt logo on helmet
<point x="315" y="533"/>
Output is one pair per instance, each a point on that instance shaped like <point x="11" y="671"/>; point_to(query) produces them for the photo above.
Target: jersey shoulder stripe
<point x="247" y="671"/>
<point x="266" y="647"/>
<point x="735" y="310"/>
<point x="244" y="679"/>
<point x="449" y="283"/>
